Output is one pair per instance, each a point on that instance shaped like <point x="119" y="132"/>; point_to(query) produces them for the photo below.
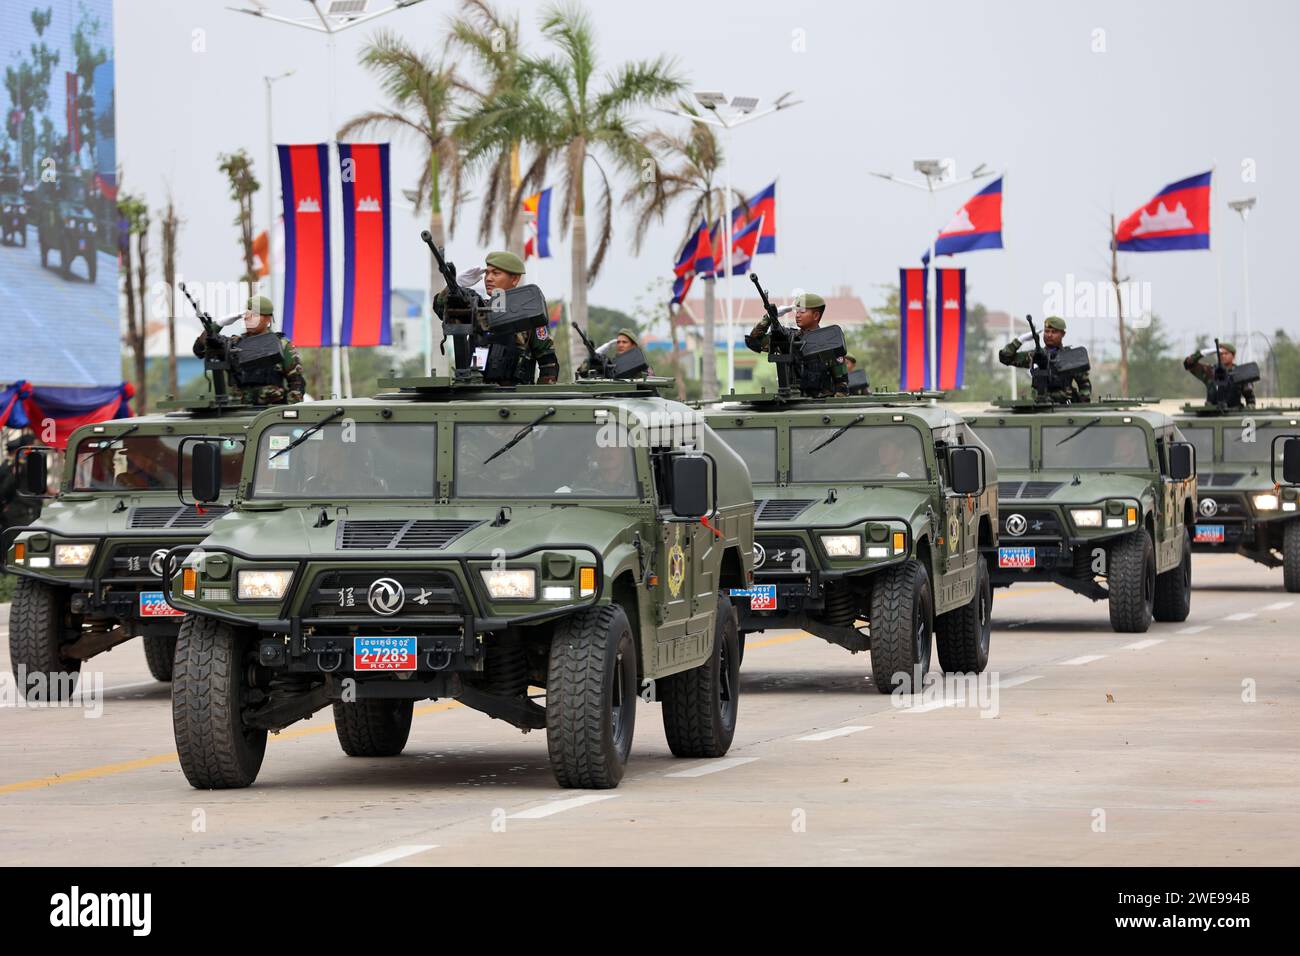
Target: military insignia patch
<point x="676" y="569"/>
<point x="542" y="332"/>
<point x="954" y="534"/>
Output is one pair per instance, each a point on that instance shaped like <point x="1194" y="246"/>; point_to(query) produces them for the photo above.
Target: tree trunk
<point x="128" y="277"/>
<point x="515" y="234"/>
<point x="708" y="345"/>
<point x="441" y="363"/>
<point x="677" y="356"/>
<point x="142" y="287"/>
<point x="169" y="226"/>
<point x="578" y="306"/>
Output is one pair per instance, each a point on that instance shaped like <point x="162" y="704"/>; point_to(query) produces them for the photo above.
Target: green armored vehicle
<point x="89" y="570"/>
<point x="13" y="208"/>
<point x="873" y="516"/>
<point x="1243" y="509"/>
<point x="449" y="539"/>
<point x="66" y="224"/>
<point x="1091" y="493"/>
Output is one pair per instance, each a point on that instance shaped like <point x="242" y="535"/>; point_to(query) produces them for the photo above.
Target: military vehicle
<point x="450" y="539"/>
<point x="89" y="570"/>
<point x="13" y="208"/>
<point x="1090" y="493"/>
<point x="1243" y="508"/>
<point x="66" y="224"/>
<point x="873" y="513"/>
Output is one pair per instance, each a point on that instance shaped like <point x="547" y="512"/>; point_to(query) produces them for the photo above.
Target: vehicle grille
<point x="779" y="554"/>
<point x="1226" y="507"/>
<point x="424" y="534"/>
<point x="1217" y="481"/>
<point x="130" y="562"/>
<point x="1027" y="489"/>
<point x="780" y="509"/>
<point x="428" y="593"/>
<point x="1038" y="524"/>
<point x="169" y="518"/>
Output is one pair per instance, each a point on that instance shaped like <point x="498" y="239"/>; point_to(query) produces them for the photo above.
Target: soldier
<point x="275" y="379"/>
<point x="1079" y="388"/>
<point x="530" y="353"/>
<point x="1205" y="371"/>
<point x="815" y="382"/>
<point x="624" y="341"/>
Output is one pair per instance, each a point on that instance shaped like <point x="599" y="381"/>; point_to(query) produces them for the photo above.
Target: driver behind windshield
<point x="148" y="465"/>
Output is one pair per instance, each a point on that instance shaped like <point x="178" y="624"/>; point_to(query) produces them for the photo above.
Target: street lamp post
<point x="727" y="116"/>
<point x="937" y="175"/>
<point x="340" y="15"/>
<point x="270" y="185"/>
<point x="1243" y="207"/>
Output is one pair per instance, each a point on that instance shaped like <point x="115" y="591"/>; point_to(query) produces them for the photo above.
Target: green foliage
<point x="7" y="584"/>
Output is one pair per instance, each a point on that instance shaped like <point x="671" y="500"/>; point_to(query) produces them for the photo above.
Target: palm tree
<point x="696" y="161"/>
<point x="569" y="123"/>
<point x="491" y="38"/>
<point x="422" y="96"/>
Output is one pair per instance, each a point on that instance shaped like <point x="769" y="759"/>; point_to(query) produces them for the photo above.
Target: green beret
<point x="260" y="304"/>
<point x="631" y="335"/>
<point x="1228" y="347"/>
<point x="1055" y="322"/>
<point x="506" y="262"/>
<point x="809" y="300"/>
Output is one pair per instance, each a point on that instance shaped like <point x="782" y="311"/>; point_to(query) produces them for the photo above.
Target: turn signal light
<point x="1132" y="515"/>
<point x="900" y="542"/>
<point x="586" y="582"/>
<point x="20" y="551"/>
<point x="189" y="579"/>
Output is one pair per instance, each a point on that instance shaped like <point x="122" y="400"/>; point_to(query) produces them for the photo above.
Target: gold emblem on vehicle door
<point x="676" y="569"/>
<point x="954" y="533"/>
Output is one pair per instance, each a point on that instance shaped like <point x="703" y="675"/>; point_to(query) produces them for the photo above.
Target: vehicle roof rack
<point x="441" y="388"/>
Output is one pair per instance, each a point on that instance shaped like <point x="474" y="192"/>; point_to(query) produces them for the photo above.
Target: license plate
<point x="81" y="243"/>
<point x="1017" y="557"/>
<point x="383" y="654"/>
<point x="762" y="597"/>
<point x="153" y="605"/>
<point x="1208" y="534"/>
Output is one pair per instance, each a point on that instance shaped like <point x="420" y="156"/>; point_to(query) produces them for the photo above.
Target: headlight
<point x="842" y="545"/>
<point x="72" y="555"/>
<point x="1086" y="517"/>
<point x="70" y="223"/>
<point x="263" y="585"/>
<point x="1264" y="502"/>
<point x="519" y="583"/>
<point x="90" y="227"/>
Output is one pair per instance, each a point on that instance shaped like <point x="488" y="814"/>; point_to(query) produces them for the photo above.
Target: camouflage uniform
<point x="813" y="382"/>
<point x="293" y="386"/>
<point x="1205" y="372"/>
<point x="1080" y="389"/>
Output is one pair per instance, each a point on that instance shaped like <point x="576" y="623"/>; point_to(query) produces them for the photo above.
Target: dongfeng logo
<point x="1016" y="525"/>
<point x="760" y="555"/>
<point x="1209" y="507"/>
<point x="386" y="596"/>
<point x="156" y="562"/>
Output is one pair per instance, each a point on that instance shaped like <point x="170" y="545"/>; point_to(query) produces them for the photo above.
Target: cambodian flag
<point x="367" y="244"/>
<point x="538" y="206"/>
<point x="761" y="206"/>
<point x="1177" y="218"/>
<point x="913" y="336"/>
<point x="744" y="245"/>
<point x="950" y="329"/>
<point x="976" y="225"/>
<point x="696" y="257"/>
<point x="304" y="181"/>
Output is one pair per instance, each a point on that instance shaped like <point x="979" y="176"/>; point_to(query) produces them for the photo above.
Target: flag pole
<point x="1217" y="252"/>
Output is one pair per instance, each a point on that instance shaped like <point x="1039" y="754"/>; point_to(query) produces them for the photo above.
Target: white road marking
<point x="559" y="806"/>
<point x="837" y="732"/>
<point x="933" y="705"/>
<point x="1143" y="645"/>
<point x="82" y="688"/>
<point x="713" y="766"/>
<point x="1240" y="616"/>
<point x="1085" y="659"/>
<point x="1195" y="630"/>
<point x="1279" y="606"/>
<point x="388" y="856"/>
<point x="1017" y="681"/>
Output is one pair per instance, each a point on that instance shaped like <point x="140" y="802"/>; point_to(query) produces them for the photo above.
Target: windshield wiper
<point x="121" y="435"/>
<point x="836" y="434"/>
<point x="307" y="434"/>
<point x="1077" y="430"/>
<point x="520" y="435"/>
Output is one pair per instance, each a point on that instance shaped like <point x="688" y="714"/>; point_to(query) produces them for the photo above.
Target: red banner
<point x="950" y="331"/>
<point x="304" y="181"/>
<point x="913" y="341"/>
<point x="367" y="229"/>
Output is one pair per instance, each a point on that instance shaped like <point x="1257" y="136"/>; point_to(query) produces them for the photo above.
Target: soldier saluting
<point x="1208" y="373"/>
<point x="265" y="368"/>
<point x="815" y="380"/>
<point x="1077" y="387"/>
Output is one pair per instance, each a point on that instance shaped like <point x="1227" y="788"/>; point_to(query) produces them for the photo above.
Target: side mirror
<point x="205" y="472"/>
<point x="1182" y="461"/>
<point x="35" y="477"/>
<point x="690" y="493"/>
<point x="964" y="470"/>
<point x="1291" y="461"/>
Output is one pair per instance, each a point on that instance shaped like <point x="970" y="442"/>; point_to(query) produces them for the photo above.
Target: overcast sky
<point x="1088" y="107"/>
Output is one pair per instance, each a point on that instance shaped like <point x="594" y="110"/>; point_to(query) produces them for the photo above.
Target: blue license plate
<point x="1017" y="557"/>
<point x="1208" y="534"/>
<point x="383" y="654"/>
<point x="153" y="605"/>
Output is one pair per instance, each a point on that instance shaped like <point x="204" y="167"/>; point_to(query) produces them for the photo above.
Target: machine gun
<point x="1055" y="372"/>
<point x="780" y="348"/>
<point x="630" y="364"/>
<point x="216" y="349"/>
<point x="1226" y="389"/>
<point x="458" y="311"/>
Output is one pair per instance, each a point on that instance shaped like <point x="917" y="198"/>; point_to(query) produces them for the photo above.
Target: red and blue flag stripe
<point x="950" y="329"/>
<point x="304" y="182"/>
<point x="367" y="244"/>
<point x="913" y="336"/>
<point x="1177" y="218"/>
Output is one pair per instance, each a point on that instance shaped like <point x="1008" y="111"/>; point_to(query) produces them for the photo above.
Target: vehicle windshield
<point x="347" y="460"/>
<point x="757" y="446"/>
<point x="1009" y="444"/>
<point x="1102" y="446"/>
<point x="1241" y="444"/>
<point x="144" y="463"/>
<point x="552" y="461"/>
<point x="8" y="183"/>
<point x="863" y="453"/>
<point x="1202" y="439"/>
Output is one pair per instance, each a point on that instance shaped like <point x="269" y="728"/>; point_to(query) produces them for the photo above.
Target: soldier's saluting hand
<point x="1080" y="386"/>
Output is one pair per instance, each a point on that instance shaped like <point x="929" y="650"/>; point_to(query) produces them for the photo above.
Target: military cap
<point x="1055" y="322"/>
<point x="506" y="262"/>
<point x="630" y="335"/>
<point x="809" y="300"/>
<point x="1228" y="347"/>
<point x="260" y="304"/>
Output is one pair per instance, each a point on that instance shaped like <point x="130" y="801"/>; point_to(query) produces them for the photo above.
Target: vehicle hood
<point x="1070" y="487"/>
<point x="103" y="515"/>
<point x="853" y="504"/>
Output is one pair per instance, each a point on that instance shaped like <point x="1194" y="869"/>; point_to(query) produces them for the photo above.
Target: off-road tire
<point x="1131" y="579"/>
<point x="700" y="705"/>
<point x="373" y="727"/>
<point x="902" y="612"/>
<point x="160" y="654"/>
<point x="963" y="635"/>
<point x="38" y="620"/>
<point x="1291" y="556"/>
<point x="217" y="751"/>
<point x="591" y="692"/>
<point x="1173" y="601"/>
